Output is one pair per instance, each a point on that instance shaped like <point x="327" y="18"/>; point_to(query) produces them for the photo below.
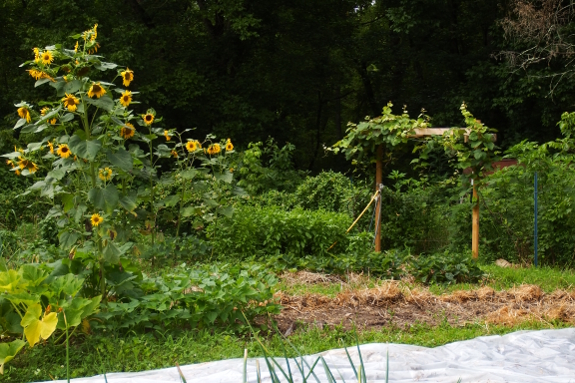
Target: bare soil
<point x="393" y="303"/>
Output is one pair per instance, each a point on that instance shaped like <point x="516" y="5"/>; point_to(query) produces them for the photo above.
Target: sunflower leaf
<point x="105" y="66"/>
<point x="68" y="239"/>
<point x="103" y="102"/>
<point x="84" y="149"/>
<point x="106" y="199"/>
<point x="20" y="123"/>
<point x="72" y="86"/>
<point x="42" y="81"/>
<point x="122" y="159"/>
<point x="111" y="253"/>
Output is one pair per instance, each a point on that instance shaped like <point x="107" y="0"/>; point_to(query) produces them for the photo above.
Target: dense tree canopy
<point x="299" y="70"/>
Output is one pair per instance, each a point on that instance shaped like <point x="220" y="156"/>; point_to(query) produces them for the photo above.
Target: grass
<point x="98" y="354"/>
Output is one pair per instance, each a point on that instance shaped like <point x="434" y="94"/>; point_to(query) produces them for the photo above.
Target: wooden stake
<point x="475" y="229"/>
<point x="378" y="181"/>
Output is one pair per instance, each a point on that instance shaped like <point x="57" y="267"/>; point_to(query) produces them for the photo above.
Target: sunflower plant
<point x="90" y="152"/>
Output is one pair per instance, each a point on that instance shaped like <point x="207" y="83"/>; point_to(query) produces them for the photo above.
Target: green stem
<point x="152" y="191"/>
<point x="181" y="207"/>
<point x="67" y="349"/>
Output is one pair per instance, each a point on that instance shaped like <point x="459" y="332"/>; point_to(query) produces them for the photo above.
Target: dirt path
<point x="394" y="303"/>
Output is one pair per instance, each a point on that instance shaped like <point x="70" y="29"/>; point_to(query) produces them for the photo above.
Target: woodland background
<point x="299" y="70"/>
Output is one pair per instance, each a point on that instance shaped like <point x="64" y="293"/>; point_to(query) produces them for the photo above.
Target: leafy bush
<point x="263" y="167"/>
<point x="444" y="267"/>
<point x="332" y="191"/>
<point x="415" y="218"/>
<point x="204" y="298"/>
<point x="262" y="232"/>
<point x="16" y="209"/>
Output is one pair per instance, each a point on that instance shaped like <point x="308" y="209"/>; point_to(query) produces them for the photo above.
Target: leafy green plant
<point x="33" y="304"/>
<point x="266" y="166"/>
<point x="447" y="267"/>
<point x="201" y="298"/>
<point x="262" y="232"/>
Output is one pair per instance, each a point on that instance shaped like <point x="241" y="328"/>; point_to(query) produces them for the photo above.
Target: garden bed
<point x="395" y="303"/>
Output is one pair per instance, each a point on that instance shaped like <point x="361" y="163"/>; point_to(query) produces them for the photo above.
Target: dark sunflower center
<point x="64" y="150"/>
<point x="97" y="88"/>
<point x="148" y="118"/>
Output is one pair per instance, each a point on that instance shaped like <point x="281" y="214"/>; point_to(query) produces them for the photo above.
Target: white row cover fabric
<point x="522" y="357"/>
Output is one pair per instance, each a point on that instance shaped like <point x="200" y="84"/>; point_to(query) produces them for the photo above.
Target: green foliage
<point x="34" y="302"/>
<point x="332" y="191"/>
<point x="262" y="232"/>
<point x="201" y="298"/>
<point x="444" y="267"/>
<point x="17" y="208"/>
<point x="414" y="216"/>
<point x="263" y="167"/>
<point x="362" y="140"/>
<point x="473" y="148"/>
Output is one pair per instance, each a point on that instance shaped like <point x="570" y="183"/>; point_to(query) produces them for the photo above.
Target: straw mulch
<point x="394" y="303"/>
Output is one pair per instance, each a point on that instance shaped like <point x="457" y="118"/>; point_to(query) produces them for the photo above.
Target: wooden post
<point x="378" y="181"/>
<point x="475" y="229"/>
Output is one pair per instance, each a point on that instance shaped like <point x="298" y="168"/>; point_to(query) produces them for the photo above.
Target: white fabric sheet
<point x="522" y="357"/>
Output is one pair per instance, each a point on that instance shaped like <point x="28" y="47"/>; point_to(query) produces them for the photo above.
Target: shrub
<point x="332" y="191"/>
<point x="444" y="267"/>
<point x="262" y="232"/>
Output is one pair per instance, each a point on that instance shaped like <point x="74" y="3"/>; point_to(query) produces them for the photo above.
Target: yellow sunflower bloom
<point x="148" y="118"/>
<point x="51" y="146"/>
<point x="167" y="135"/>
<point x="95" y="33"/>
<point x="23" y="112"/>
<point x="127" y="132"/>
<point x="63" y="151"/>
<point x="44" y="110"/>
<point x="53" y="121"/>
<point x="174" y="153"/>
<point x="70" y="102"/>
<point x="128" y="76"/>
<point x="96" y="90"/>
<point x="23" y="163"/>
<point x="229" y="146"/>
<point x="36" y="54"/>
<point x="126" y="98"/>
<point x="214" y="149"/>
<point x="76" y="47"/>
<point x="35" y="73"/>
<point x="47" y="58"/>
<point x="191" y="146"/>
<point x="105" y="174"/>
<point x="96" y="219"/>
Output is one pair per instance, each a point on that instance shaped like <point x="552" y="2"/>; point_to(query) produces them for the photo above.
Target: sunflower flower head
<point x="191" y="146"/>
<point x="36" y="54"/>
<point x="167" y="135"/>
<point x="127" y="131"/>
<point x="94" y="33"/>
<point x="229" y="145"/>
<point x="127" y="76"/>
<point x="44" y="110"/>
<point x="24" y="112"/>
<point x="126" y="98"/>
<point x="63" y="151"/>
<point x="214" y="149"/>
<point x="46" y="57"/>
<point x="76" y="46"/>
<point x="53" y="121"/>
<point x="51" y="146"/>
<point x="96" y="90"/>
<point x="96" y="219"/>
<point x="105" y="174"/>
<point x="148" y="118"/>
<point x="70" y="102"/>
